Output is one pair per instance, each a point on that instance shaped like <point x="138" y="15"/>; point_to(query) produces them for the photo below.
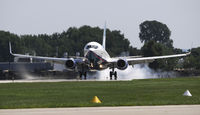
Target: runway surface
<point x="130" y="110"/>
<point x="35" y="80"/>
<point x="50" y="80"/>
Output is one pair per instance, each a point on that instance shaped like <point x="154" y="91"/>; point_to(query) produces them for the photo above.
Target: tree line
<point x="71" y="41"/>
<point x="153" y="34"/>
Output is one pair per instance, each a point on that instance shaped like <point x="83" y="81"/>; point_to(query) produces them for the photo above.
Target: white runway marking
<point x="130" y="110"/>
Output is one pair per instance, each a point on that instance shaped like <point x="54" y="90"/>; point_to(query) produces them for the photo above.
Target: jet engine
<point x="70" y="64"/>
<point x="122" y="64"/>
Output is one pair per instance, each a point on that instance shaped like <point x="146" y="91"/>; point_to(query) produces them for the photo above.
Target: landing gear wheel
<point x="111" y="73"/>
<point x="115" y="75"/>
<point x="80" y="75"/>
<point x="85" y="75"/>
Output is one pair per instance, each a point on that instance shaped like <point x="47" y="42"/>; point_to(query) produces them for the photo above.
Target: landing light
<point x="100" y="66"/>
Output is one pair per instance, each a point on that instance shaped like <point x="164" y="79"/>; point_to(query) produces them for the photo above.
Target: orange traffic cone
<point x="96" y="100"/>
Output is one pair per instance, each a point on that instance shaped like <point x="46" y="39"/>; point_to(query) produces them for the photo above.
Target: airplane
<point x="96" y="58"/>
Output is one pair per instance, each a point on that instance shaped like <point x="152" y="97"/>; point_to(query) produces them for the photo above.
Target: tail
<point x="104" y="37"/>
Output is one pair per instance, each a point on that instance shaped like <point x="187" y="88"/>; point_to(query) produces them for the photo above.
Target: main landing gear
<point x="83" y="74"/>
<point x="113" y="73"/>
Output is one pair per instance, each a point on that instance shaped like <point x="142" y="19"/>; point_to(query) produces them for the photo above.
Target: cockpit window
<point x="92" y="46"/>
<point x="95" y="47"/>
<point x="89" y="46"/>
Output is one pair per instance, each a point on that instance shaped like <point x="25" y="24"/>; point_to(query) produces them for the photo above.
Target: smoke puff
<point x="139" y="71"/>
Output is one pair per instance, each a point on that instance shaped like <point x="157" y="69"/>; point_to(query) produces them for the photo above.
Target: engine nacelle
<point x="122" y="64"/>
<point x="70" y="64"/>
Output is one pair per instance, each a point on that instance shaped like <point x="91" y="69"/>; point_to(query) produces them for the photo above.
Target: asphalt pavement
<point x="130" y="110"/>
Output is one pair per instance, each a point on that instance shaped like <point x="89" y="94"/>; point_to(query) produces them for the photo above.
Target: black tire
<point x="80" y="75"/>
<point x="85" y="75"/>
<point x="115" y="74"/>
<point x="111" y="73"/>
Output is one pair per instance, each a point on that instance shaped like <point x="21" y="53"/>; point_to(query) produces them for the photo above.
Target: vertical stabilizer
<point x="104" y="37"/>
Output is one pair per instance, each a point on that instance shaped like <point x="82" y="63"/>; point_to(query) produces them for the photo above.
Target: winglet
<point x="10" y="48"/>
<point x="188" y="53"/>
<point x="104" y="37"/>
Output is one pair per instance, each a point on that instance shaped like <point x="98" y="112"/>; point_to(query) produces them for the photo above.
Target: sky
<point x="49" y="16"/>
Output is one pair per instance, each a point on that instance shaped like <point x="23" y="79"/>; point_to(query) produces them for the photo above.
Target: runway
<point x="37" y="80"/>
<point x="136" y="110"/>
<point x="51" y="80"/>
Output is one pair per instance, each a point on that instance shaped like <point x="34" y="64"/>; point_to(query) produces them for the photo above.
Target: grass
<point x="166" y="91"/>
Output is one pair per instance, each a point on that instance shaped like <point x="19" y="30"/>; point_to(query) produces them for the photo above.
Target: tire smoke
<point x="139" y="71"/>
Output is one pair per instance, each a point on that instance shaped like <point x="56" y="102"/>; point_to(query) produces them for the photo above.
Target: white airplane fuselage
<point x="96" y="55"/>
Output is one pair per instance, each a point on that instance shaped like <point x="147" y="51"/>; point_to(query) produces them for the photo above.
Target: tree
<point x="5" y="37"/>
<point x="152" y="48"/>
<point x="157" y="42"/>
<point x="156" y="31"/>
<point x="192" y="61"/>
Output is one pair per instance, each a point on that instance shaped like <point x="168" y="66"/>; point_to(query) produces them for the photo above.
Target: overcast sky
<point x="50" y="16"/>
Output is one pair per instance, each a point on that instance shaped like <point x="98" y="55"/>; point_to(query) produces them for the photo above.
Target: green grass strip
<point x="119" y="93"/>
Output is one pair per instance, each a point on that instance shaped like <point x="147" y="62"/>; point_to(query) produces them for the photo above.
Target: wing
<point x="48" y="59"/>
<point x="137" y="60"/>
<point x="132" y="61"/>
